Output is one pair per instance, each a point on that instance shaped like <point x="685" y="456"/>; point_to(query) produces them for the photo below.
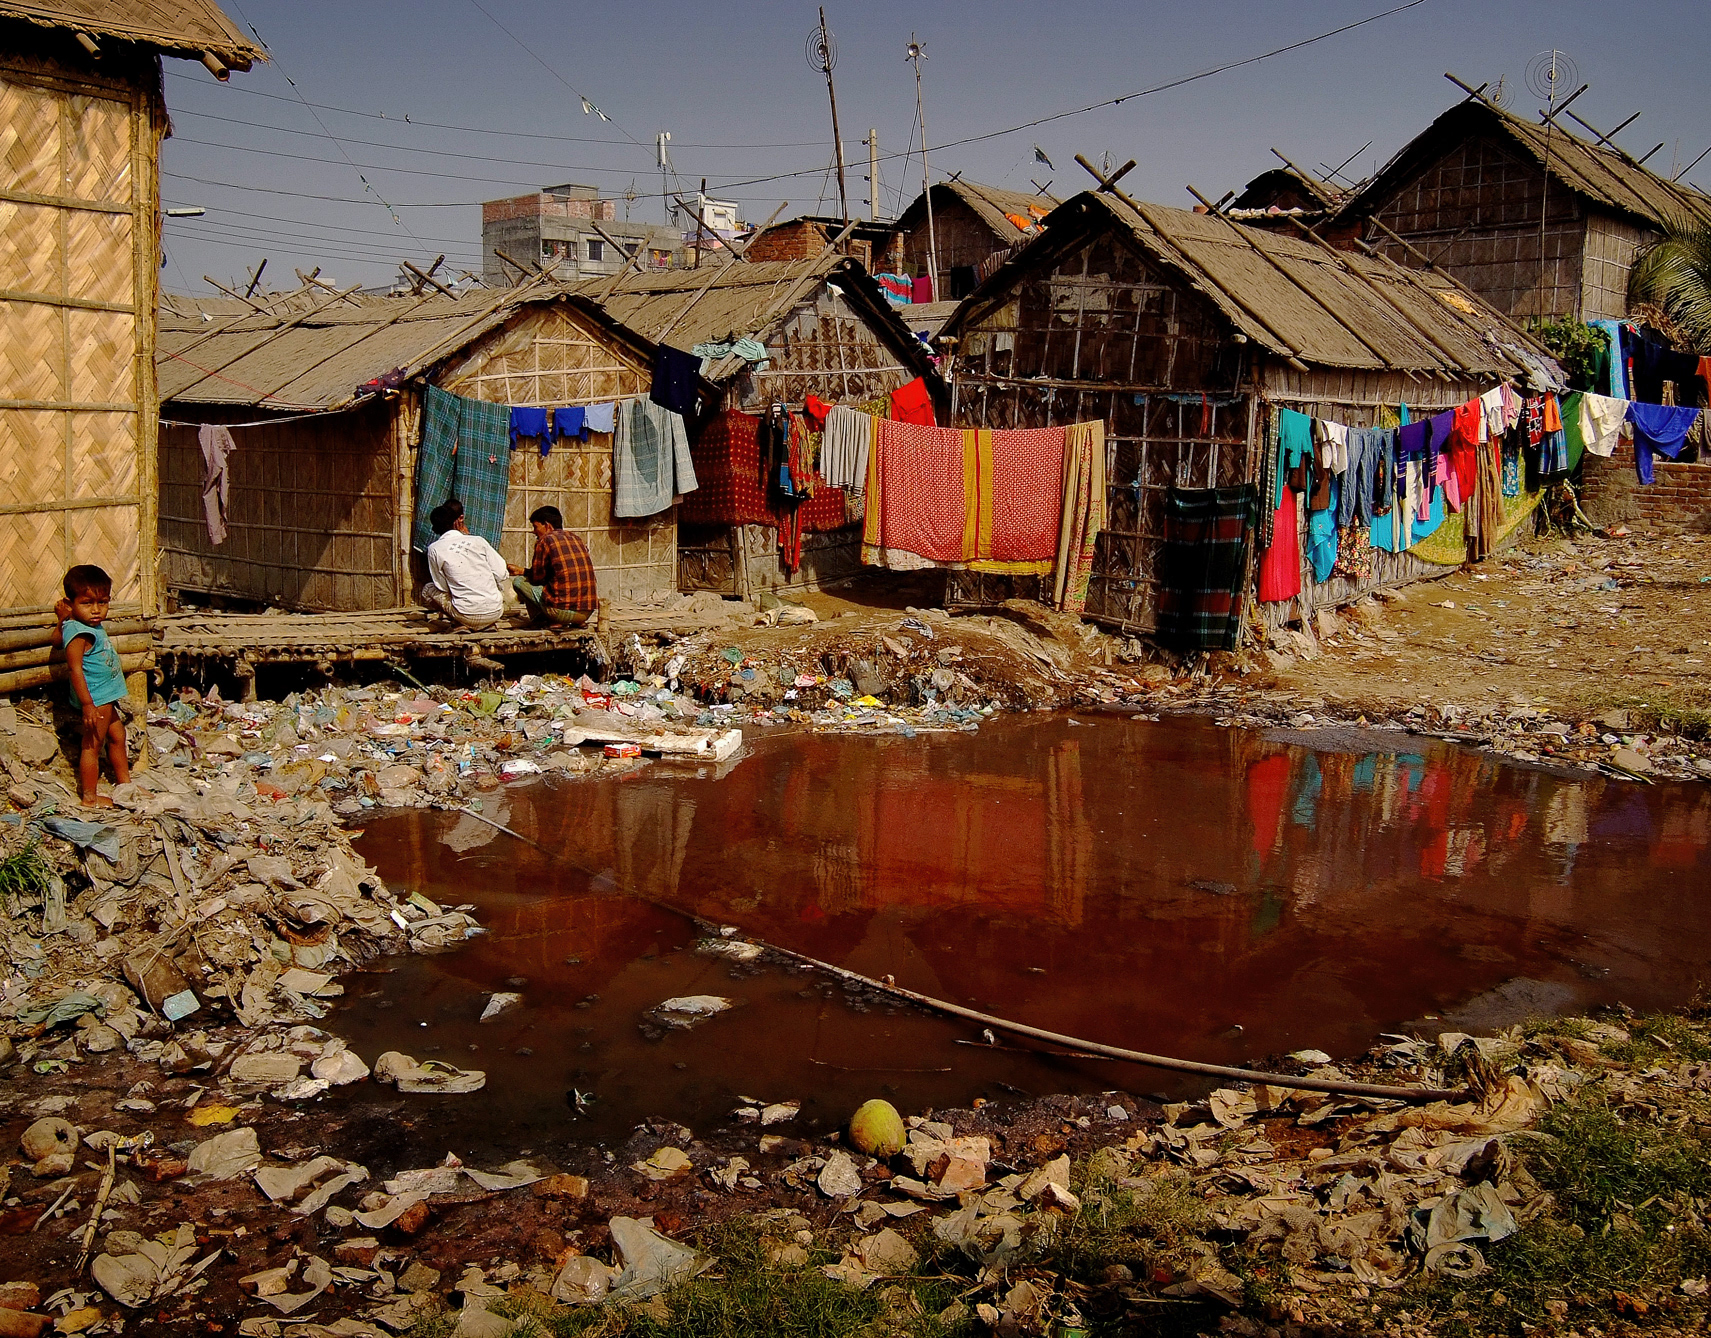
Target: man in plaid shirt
<point x="558" y="586"/>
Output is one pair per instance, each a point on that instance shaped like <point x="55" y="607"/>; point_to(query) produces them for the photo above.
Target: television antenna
<point x="1549" y="74"/>
<point x="822" y="53"/>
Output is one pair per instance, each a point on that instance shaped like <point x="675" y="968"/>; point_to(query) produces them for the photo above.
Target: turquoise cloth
<point x="1294" y="444"/>
<point x="1618" y="384"/>
<point x="1322" y="537"/>
<point x="749" y="350"/>
<point x="101" y="668"/>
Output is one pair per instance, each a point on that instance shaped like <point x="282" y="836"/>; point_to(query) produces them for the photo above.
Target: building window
<point x="660" y="259"/>
<point x="596" y="249"/>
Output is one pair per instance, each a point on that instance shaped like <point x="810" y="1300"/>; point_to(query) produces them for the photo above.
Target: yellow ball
<point x="877" y="1129"/>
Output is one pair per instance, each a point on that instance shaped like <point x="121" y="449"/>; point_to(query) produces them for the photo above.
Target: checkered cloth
<point x="564" y="572"/>
<point x="732" y="492"/>
<point x="1203" y="566"/>
<point x="650" y="459"/>
<point x="466" y="454"/>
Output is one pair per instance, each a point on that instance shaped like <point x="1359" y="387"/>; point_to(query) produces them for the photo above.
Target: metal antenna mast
<point x="823" y="55"/>
<point x="917" y="54"/>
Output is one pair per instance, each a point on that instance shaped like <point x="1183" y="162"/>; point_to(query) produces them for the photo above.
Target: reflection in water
<point x="1172" y="887"/>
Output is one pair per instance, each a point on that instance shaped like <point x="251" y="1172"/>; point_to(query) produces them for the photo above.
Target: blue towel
<point x="1617" y="386"/>
<point x="530" y="423"/>
<point x="1322" y="537"/>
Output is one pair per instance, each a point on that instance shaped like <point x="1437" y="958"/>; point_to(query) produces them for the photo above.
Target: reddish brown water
<point x="1171" y="886"/>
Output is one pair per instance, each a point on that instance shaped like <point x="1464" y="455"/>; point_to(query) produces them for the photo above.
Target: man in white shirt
<point x="464" y="571"/>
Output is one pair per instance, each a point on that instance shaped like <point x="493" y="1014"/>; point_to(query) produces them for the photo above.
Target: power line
<point x="414" y="122"/>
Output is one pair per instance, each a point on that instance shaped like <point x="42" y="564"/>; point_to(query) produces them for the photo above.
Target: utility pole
<point x="823" y="55"/>
<point x="664" y="167"/>
<point x="872" y="142"/>
<point x="917" y="54"/>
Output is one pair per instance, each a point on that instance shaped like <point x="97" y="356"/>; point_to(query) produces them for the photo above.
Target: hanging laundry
<point x="913" y="403"/>
<point x="651" y="463"/>
<point x="815" y="409"/>
<point x="1332" y="441"/>
<point x="1360" y="481"/>
<point x="1656" y="362"/>
<point x="1658" y="429"/>
<point x="898" y="289"/>
<point x="1483" y="520"/>
<point x="217" y="447"/>
<point x="466" y="454"/>
<point x="844" y="448"/>
<point x="1322" y="536"/>
<point x="569" y="422"/>
<point x="1280" y="564"/>
<point x="727" y="461"/>
<point x="1616" y="380"/>
<point x="986" y="500"/>
<point x="751" y="351"/>
<point x="1573" y="427"/>
<point x="602" y="417"/>
<point x="677" y="376"/>
<point x="1203" y="566"/>
<point x="962" y="281"/>
<point x="1083" y="513"/>
<point x="1354" y="553"/>
<point x="535" y="423"/>
<point x="1511" y="463"/>
<point x="1553" y="446"/>
<point x="922" y="289"/>
<point x="1294" y="443"/>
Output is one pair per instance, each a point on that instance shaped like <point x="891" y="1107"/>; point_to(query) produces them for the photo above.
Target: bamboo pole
<point x="50" y="654"/>
<point x="38" y="676"/>
<point x="46" y="634"/>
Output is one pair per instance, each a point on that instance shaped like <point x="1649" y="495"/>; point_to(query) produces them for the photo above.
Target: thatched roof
<point x="992" y="204"/>
<point x="179" y="27"/>
<point x="1287" y="188"/>
<point x="746" y="300"/>
<point x="1604" y="177"/>
<point x="1291" y="297"/>
<point x="311" y="353"/>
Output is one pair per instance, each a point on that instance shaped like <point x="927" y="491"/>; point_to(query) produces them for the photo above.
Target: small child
<point x="97" y="679"/>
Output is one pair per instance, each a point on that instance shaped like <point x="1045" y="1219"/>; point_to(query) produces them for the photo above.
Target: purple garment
<point x="1659" y="428"/>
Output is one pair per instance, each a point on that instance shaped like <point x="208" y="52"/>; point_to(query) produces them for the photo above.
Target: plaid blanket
<point x="974" y="498"/>
<point x="650" y="459"/>
<point x="727" y="461"/>
<point x="466" y="454"/>
<point x="1203" y="566"/>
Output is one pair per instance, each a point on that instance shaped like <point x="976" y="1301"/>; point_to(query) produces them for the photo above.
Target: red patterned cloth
<point x="913" y="403"/>
<point x="992" y="501"/>
<point x="727" y="463"/>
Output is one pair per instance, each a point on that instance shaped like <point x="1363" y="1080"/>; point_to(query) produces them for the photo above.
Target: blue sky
<point x="732" y="85"/>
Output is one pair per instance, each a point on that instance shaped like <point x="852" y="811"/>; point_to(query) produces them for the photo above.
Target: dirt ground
<point x="1577" y="627"/>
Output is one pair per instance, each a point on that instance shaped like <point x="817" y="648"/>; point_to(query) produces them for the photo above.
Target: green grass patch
<point x="25" y="878"/>
<point x="1667" y="1038"/>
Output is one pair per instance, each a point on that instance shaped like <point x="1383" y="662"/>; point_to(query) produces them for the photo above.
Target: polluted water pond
<point x="1215" y="894"/>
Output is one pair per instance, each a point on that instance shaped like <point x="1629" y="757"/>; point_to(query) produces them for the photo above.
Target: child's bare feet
<point x="97" y="801"/>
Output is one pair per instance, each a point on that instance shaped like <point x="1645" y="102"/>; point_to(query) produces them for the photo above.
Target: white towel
<point x="1601" y="419"/>
<point x="844" y="447"/>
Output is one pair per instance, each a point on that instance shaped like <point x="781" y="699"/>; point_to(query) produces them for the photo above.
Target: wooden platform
<point x="331" y="639"/>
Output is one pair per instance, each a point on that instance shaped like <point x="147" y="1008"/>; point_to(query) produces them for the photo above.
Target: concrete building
<point x="555" y="228"/>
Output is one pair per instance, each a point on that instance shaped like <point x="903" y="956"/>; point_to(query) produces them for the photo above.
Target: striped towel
<point x="1203" y="566"/>
<point x="466" y="454"/>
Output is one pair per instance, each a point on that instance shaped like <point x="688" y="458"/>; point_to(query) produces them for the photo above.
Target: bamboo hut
<point x="83" y="115"/>
<point x="328" y="388"/>
<point x="828" y="331"/>
<point x="1535" y="219"/>
<point x="1178" y="330"/>
<point x="972" y="226"/>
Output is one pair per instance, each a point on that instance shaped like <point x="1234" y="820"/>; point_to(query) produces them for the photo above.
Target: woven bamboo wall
<point x="311" y="513"/>
<point x="1611" y="244"/>
<point x="1476" y="212"/>
<point x="550" y="358"/>
<point x="1105" y="335"/>
<point x="824" y="349"/>
<point x="78" y="201"/>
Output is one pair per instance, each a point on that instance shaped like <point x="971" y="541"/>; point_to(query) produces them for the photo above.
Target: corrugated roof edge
<point x="232" y="48"/>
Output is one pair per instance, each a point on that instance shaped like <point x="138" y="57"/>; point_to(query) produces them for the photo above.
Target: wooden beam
<point x="428" y="280"/>
<point x="722" y="367"/>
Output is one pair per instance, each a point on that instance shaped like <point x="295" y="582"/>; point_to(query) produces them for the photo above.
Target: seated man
<point x="558" y="587"/>
<point x="464" y="571"/>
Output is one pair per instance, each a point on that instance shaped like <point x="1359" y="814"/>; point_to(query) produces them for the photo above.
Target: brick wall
<point x="518" y="206"/>
<point x="1679" y="497"/>
<point x="789" y="241"/>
